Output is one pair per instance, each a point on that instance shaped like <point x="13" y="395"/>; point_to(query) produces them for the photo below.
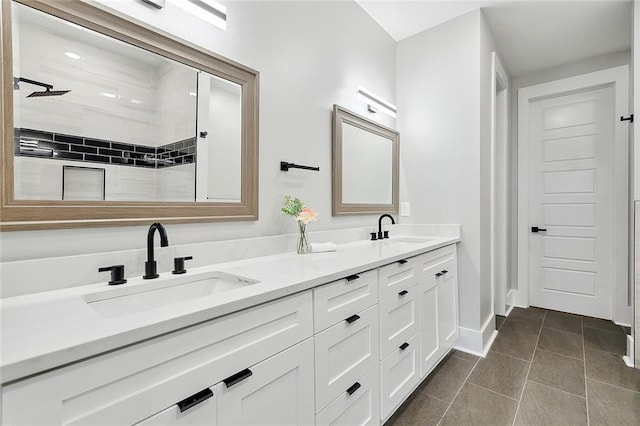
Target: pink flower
<point x="307" y="215"/>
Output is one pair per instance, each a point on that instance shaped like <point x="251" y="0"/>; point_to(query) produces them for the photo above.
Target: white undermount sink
<point x="161" y="292"/>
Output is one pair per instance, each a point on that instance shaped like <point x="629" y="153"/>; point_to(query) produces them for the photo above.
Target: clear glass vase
<point x="303" y="243"/>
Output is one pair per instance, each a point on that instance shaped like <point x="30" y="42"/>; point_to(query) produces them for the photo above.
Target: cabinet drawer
<point x="204" y="413"/>
<point x="277" y="391"/>
<point x="435" y="261"/>
<point x="344" y="353"/>
<point x="397" y="276"/>
<point x="340" y="299"/>
<point x="400" y="373"/>
<point x="399" y="319"/>
<point x="131" y="384"/>
<point x="360" y="407"/>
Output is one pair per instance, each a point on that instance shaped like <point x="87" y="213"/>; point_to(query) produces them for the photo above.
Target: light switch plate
<point x="405" y="209"/>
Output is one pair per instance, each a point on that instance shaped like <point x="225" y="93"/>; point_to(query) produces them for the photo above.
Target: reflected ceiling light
<point x="215" y="13"/>
<point x="72" y="55"/>
<point x="136" y="101"/>
<point x="108" y="95"/>
<point x="375" y="103"/>
<point x="193" y="93"/>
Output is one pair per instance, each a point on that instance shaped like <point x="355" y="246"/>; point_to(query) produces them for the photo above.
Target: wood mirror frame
<point x="35" y="214"/>
<point x="339" y="208"/>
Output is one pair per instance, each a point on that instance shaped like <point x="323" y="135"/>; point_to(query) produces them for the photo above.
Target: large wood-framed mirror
<point x="108" y="123"/>
<point x="365" y="165"/>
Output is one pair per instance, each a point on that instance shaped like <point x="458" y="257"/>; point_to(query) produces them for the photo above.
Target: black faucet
<point x="151" y="266"/>
<point x="382" y="235"/>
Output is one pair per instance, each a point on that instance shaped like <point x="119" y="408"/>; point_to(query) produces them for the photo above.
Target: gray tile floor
<point x="544" y="368"/>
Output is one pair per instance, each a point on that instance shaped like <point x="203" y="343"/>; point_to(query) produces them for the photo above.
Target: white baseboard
<point x="477" y="342"/>
<point x="629" y="357"/>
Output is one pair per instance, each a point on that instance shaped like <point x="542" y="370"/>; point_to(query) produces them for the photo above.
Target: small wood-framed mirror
<point x="365" y="165"/>
<point x="172" y="128"/>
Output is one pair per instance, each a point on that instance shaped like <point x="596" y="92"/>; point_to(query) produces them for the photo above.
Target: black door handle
<point x="444" y="272"/>
<point x="402" y="261"/>
<point x="352" y="277"/>
<point x="404" y="346"/>
<point x="537" y="229"/>
<point x="438" y="274"/>
<point x="403" y="292"/>
<point x="237" y="378"/>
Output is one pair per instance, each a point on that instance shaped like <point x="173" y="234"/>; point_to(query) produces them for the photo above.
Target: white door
<point x="277" y="391"/>
<point x="571" y="198"/>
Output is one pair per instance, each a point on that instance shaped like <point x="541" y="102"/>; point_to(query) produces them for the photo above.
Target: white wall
<point x="310" y="55"/>
<point x="487" y="46"/>
<point x="439" y="75"/>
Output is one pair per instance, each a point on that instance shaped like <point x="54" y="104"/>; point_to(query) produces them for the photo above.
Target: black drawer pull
<point x="352" y="318"/>
<point x="438" y="274"/>
<point x="194" y="399"/>
<point x="444" y="272"/>
<point x="404" y="346"/>
<point x="352" y="277"/>
<point x="402" y="261"/>
<point x="353" y="388"/>
<point x="237" y="378"/>
<point x="403" y="292"/>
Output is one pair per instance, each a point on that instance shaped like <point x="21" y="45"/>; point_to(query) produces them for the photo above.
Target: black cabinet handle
<point x="352" y="277"/>
<point x="237" y="378"/>
<point x="404" y="346"/>
<point x="194" y="399"/>
<point x="402" y="261"/>
<point x="353" y="388"/>
<point x="444" y="272"/>
<point x="438" y="274"/>
<point x="403" y="292"/>
<point x="537" y="229"/>
<point x="352" y="318"/>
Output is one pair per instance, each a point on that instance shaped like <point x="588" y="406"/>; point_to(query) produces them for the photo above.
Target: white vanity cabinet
<point x="347" y="352"/>
<point x="135" y="383"/>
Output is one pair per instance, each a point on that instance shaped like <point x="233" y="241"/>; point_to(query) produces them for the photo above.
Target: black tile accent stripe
<point x="73" y="147"/>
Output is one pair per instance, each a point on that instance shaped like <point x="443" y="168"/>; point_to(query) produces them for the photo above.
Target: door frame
<point x="499" y="192"/>
<point x="618" y="78"/>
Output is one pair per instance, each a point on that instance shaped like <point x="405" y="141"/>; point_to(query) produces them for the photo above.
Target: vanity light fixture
<point x="375" y="103"/>
<point x="72" y="55"/>
<point x="214" y="12"/>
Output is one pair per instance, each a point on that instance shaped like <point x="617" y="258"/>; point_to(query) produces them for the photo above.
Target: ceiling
<point x="531" y="35"/>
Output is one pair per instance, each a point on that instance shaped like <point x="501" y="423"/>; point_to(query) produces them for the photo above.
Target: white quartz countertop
<point x="50" y="329"/>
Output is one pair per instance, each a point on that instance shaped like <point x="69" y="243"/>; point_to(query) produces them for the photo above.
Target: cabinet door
<point x="399" y="320"/>
<point x="399" y="374"/>
<point x="204" y="412"/>
<point x="448" y="309"/>
<point x="435" y="261"/>
<point x="344" y="353"/>
<point x="358" y="405"/>
<point x="277" y="391"/>
<point x="429" y="340"/>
